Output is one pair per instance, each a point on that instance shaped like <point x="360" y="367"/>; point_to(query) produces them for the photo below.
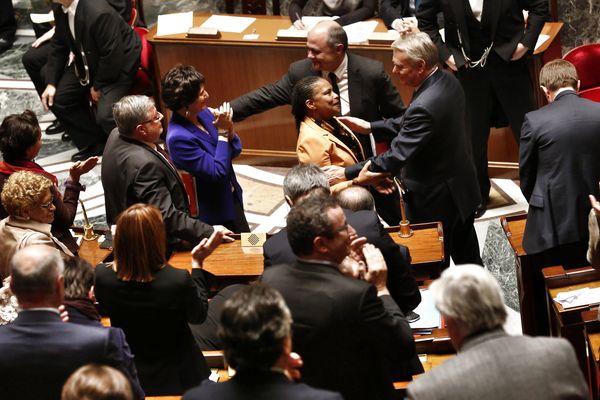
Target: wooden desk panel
<point x="91" y="252"/>
<point x="426" y="245"/>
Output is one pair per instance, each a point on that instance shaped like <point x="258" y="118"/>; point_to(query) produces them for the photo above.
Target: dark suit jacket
<point x="154" y="316"/>
<point x="389" y="10"/>
<point x="347" y="15"/>
<point x="503" y="19"/>
<point x="252" y="385"/>
<point x="401" y="283"/>
<point x="347" y="336"/>
<point x="431" y="146"/>
<point x="495" y="366"/>
<point x="372" y="94"/>
<point x="38" y="352"/>
<point x="559" y="165"/>
<point x="112" y="49"/>
<point x="208" y="159"/>
<point x="134" y="173"/>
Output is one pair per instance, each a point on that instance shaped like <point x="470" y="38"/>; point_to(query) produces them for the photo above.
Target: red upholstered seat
<point x="586" y="59"/>
<point x="142" y="83"/>
<point x="591" y="94"/>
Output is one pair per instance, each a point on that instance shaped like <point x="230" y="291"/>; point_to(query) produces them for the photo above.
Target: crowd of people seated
<point x="329" y="316"/>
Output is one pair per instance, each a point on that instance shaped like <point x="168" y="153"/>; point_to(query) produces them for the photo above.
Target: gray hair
<point x="302" y="179"/>
<point x="355" y="198"/>
<point x="130" y="111"/>
<point x="471" y="296"/>
<point x="34" y="271"/>
<point x="418" y="46"/>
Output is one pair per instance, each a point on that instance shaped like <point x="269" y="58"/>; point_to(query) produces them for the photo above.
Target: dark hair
<point x="139" y="244"/>
<point x="302" y="91"/>
<point x="180" y="86"/>
<point x="308" y="220"/>
<point x="97" y="382"/>
<point x="78" y="277"/>
<point x="18" y="133"/>
<point x="255" y="322"/>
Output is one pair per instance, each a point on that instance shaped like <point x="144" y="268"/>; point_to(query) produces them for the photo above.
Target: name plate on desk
<point x="292" y="35"/>
<point x="383" y="37"/>
<point x="250" y="239"/>
<point x="198" y="32"/>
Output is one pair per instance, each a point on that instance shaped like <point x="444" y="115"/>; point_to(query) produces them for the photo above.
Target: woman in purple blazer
<point x="201" y="141"/>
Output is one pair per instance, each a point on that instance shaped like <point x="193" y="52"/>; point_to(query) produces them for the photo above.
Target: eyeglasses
<point x="48" y="204"/>
<point x="157" y="118"/>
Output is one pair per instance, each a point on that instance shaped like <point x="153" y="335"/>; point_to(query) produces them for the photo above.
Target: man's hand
<point x="224" y="118"/>
<point x="354" y="263"/>
<point x="82" y="167"/>
<point x="366" y="177"/>
<point x="44" y="38"/>
<point x="293" y="363"/>
<point x="385" y="186"/>
<point x="48" y="96"/>
<point x="334" y="173"/>
<point x="376" y="269"/>
<point x="356" y="124"/>
<point x="95" y="94"/>
<point x="64" y="314"/>
<point x="405" y="25"/>
<point x="226" y="232"/>
<point x="205" y="248"/>
<point x="519" y="52"/>
<point x="451" y="63"/>
<point x="595" y="204"/>
<point x="299" y="25"/>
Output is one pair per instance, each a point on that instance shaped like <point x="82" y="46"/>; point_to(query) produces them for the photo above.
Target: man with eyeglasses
<point x="106" y="57"/>
<point x="345" y="321"/>
<point x="135" y="169"/>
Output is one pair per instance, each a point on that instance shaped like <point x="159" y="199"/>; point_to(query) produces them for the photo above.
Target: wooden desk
<point x="592" y="336"/>
<point x="426" y="247"/>
<point x="91" y="252"/>
<point x="569" y="323"/>
<point x="233" y="66"/>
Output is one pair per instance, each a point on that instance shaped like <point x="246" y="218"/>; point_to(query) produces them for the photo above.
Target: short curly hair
<point x="181" y="86"/>
<point x="23" y="191"/>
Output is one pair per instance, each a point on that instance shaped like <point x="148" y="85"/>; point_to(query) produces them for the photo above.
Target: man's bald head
<point x="355" y="198"/>
<point x="326" y="43"/>
<point x="36" y="277"/>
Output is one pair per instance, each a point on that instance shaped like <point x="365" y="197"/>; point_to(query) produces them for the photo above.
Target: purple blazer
<point x="201" y="154"/>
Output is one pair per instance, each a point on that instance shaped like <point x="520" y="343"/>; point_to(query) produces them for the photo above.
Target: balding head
<point x="36" y="277"/>
<point x="355" y="198"/>
<point x="327" y="43"/>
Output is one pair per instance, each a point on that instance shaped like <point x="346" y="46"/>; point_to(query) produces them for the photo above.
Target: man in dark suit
<point x="490" y="364"/>
<point x="256" y="332"/>
<point x="363" y="86"/>
<point x="8" y="25"/>
<point x="304" y="180"/>
<point x="430" y="149"/>
<point x="485" y="42"/>
<point x="348" y="329"/>
<point x="559" y="167"/>
<point x="38" y="351"/>
<point x="135" y="169"/>
<point x="107" y="53"/>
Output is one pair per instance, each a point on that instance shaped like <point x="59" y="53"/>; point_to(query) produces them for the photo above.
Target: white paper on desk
<point x="578" y="298"/>
<point x="171" y="24"/>
<point x="41" y="18"/>
<point x="225" y="23"/>
<point x="310" y="22"/>
<point x="430" y="316"/>
<point x="359" y="32"/>
<point x="541" y="40"/>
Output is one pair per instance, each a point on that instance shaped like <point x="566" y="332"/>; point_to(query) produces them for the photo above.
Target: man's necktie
<point x="334" y="85"/>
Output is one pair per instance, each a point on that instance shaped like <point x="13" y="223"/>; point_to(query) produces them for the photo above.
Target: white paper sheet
<point x="225" y="23"/>
<point x="430" y="316"/>
<point x="171" y="24"/>
<point x="42" y="18"/>
<point x="359" y="32"/>
<point x="578" y="298"/>
<point x="541" y="40"/>
<point x="310" y="22"/>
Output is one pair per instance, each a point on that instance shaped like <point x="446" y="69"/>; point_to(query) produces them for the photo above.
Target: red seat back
<point x="591" y="94"/>
<point x="586" y="59"/>
<point x="142" y="83"/>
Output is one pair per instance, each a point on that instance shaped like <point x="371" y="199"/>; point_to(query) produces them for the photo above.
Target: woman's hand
<point x="205" y="248"/>
<point x="82" y="167"/>
<point x="224" y="119"/>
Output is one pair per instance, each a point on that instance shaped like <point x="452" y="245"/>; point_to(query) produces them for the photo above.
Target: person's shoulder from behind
<point x="364" y="63"/>
<point x="299" y="69"/>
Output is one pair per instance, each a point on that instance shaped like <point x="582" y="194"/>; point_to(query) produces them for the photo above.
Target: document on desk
<point x="171" y="24"/>
<point x="225" y="23"/>
<point x="541" y="40"/>
<point x="430" y="316"/>
<point x="578" y="298"/>
<point x="359" y="32"/>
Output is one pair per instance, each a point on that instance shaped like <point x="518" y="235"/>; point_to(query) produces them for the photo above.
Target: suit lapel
<point x="354" y="85"/>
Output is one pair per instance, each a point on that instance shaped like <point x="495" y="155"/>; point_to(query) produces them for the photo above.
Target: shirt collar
<point x="339" y="71"/>
<point x="71" y="8"/>
<point x="428" y="76"/>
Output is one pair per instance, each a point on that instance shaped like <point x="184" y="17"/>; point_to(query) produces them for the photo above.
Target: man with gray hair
<point x="490" y="364"/>
<point x="305" y="181"/>
<point x="136" y="169"/>
<point x="430" y="149"/>
<point x="38" y="351"/>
